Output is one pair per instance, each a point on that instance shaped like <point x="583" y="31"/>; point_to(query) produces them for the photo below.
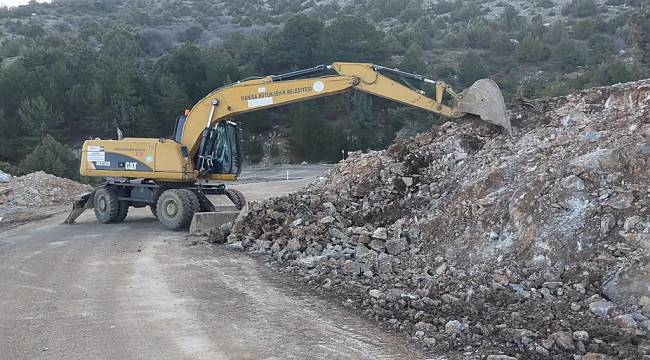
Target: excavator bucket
<point x="82" y="203"/>
<point x="485" y="99"/>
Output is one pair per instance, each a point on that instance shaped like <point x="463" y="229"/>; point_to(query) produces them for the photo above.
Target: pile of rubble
<point x="39" y="189"/>
<point x="477" y="244"/>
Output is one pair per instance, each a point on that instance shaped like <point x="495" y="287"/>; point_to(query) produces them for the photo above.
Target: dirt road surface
<point x="137" y="291"/>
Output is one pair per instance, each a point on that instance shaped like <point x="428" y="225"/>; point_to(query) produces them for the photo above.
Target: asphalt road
<point x="281" y="172"/>
<point x="137" y="291"/>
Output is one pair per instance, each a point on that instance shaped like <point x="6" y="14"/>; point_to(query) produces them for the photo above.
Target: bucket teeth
<point x="484" y="98"/>
<point x="82" y="203"/>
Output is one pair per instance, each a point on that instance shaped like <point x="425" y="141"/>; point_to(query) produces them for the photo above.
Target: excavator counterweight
<point x="176" y="177"/>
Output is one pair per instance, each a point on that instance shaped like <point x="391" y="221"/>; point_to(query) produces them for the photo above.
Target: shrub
<point x="53" y="158"/>
<point x="531" y="49"/>
<point x="581" y="8"/>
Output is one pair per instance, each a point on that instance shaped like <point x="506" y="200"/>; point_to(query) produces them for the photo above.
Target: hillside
<point x="78" y="68"/>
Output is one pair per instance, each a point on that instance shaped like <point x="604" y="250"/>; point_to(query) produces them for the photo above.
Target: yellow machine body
<point x="160" y="159"/>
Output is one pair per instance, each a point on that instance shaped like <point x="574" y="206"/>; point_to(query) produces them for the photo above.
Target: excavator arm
<point x="483" y="99"/>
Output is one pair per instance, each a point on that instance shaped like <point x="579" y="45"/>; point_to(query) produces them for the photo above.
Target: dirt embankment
<point x="34" y="196"/>
<point x="477" y="244"/>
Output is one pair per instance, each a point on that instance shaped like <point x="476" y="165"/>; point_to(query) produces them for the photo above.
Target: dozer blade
<point x="485" y="99"/>
<point x="222" y="211"/>
<point x="82" y="203"/>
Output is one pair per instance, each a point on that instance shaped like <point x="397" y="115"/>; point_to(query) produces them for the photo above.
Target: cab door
<point x="227" y="155"/>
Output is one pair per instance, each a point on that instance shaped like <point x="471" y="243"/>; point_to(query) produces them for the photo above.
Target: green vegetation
<point x="53" y="158"/>
<point x="80" y="68"/>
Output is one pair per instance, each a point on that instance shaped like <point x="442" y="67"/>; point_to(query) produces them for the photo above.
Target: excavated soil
<point x="480" y="245"/>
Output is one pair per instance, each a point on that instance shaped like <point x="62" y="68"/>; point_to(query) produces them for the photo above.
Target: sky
<point x="11" y="3"/>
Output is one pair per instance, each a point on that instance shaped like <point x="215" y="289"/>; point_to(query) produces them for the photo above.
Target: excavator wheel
<point x="107" y="207"/>
<point x="122" y="212"/>
<point x="237" y="198"/>
<point x="176" y="207"/>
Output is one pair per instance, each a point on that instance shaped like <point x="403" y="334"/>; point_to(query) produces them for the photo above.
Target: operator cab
<point x="226" y="153"/>
<point x="220" y="151"/>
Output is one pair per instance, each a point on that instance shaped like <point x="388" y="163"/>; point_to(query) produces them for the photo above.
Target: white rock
<point x="310" y="261"/>
<point x="601" y="308"/>
<point x="380" y="233"/>
<point x="408" y="181"/>
<point x="441" y="269"/>
<point x="573" y="182"/>
<point x="327" y="220"/>
<point x="4" y="177"/>
<point x="453" y="327"/>
<point x="580" y="335"/>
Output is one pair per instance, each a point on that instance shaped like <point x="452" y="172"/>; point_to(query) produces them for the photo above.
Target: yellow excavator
<point x="180" y="177"/>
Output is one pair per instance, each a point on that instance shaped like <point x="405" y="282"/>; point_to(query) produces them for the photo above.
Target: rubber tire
<point x="184" y="203"/>
<point x="237" y="198"/>
<point x="122" y="212"/>
<point x="107" y="206"/>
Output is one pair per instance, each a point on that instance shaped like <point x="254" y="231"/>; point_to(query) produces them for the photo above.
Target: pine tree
<point x="38" y="116"/>
<point x="53" y="158"/>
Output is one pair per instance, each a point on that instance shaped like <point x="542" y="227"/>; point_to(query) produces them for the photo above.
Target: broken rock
<point x="380" y="233"/>
<point x="293" y="245"/>
<point x="563" y="340"/>
<point x="4" y="177"/>
<point x="581" y="335"/>
<point x="453" y="327"/>
<point x="601" y="308"/>
<point x="625" y="321"/>
<point x="310" y="262"/>
<point x="545" y="209"/>
<point x="377" y="245"/>
<point x="620" y="201"/>
<point x="573" y="182"/>
<point x="396" y="246"/>
<point x="327" y="220"/>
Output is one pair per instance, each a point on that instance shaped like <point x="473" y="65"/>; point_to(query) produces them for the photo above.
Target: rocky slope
<point x="477" y="244"/>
